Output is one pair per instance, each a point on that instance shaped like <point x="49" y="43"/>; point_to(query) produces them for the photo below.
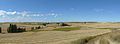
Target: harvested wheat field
<point x="48" y="37"/>
<point x="108" y="38"/>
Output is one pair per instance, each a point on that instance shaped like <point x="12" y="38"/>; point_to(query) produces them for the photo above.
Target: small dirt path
<point x="105" y="38"/>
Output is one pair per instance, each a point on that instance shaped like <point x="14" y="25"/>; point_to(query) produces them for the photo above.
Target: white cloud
<point x="2" y="12"/>
<point x="25" y="15"/>
<point x="11" y="13"/>
<point x="53" y="14"/>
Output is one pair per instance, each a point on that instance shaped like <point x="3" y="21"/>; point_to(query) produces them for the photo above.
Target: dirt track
<point x="47" y="37"/>
<point x="109" y="38"/>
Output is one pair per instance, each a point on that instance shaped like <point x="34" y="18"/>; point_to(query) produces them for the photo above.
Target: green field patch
<point x="38" y="30"/>
<point x="67" y="29"/>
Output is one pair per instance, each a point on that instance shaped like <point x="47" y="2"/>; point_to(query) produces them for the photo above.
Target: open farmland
<point x="59" y="22"/>
<point x="48" y="37"/>
<point x="76" y="33"/>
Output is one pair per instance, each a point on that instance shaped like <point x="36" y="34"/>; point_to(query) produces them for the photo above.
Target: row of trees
<point x="59" y="24"/>
<point x="13" y="29"/>
<point x="39" y="27"/>
<point x="0" y="29"/>
<point x="45" y="24"/>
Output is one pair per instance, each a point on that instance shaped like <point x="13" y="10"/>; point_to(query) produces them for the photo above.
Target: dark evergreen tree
<point x="32" y="28"/>
<point x="44" y="24"/>
<point x="10" y="29"/>
<point x="14" y="29"/>
<point x="63" y="24"/>
<point x="0" y="29"/>
<point x="58" y="24"/>
<point x="39" y="27"/>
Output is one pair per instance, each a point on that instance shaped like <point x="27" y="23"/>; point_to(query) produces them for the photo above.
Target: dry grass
<point x="47" y="37"/>
<point x="60" y="36"/>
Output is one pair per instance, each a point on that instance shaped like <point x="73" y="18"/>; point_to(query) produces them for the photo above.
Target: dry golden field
<point x="48" y="37"/>
<point x="94" y="31"/>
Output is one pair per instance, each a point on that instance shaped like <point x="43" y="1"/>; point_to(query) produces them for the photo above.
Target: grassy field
<point x="67" y="29"/>
<point x="59" y="29"/>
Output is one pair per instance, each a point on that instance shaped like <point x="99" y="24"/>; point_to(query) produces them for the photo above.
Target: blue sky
<point x="59" y="10"/>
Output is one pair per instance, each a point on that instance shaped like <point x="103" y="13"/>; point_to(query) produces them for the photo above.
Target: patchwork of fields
<point x="74" y="34"/>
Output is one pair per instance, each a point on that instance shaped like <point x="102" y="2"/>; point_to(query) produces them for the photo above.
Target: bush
<point x="63" y="24"/>
<point x="44" y="24"/>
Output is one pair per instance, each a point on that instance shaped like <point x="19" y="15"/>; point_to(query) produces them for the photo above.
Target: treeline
<point x="0" y="29"/>
<point x="33" y="28"/>
<point x="45" y="25"/>
<point x="63" y="24"/>
<point x="59" y="24"/>
<point x="14" y="29"/>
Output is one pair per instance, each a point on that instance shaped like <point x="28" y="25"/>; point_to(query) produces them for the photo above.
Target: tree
<point x="21" y="30"/>
<point x="58" y="24"/>
<point x="0" y="29"/>
<point x="44" y="24"/>
<point x="39" y="27"/>
<point x="13" y="29"/>
<point x="32" y="28"/>
<point x="63" y="24"/>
